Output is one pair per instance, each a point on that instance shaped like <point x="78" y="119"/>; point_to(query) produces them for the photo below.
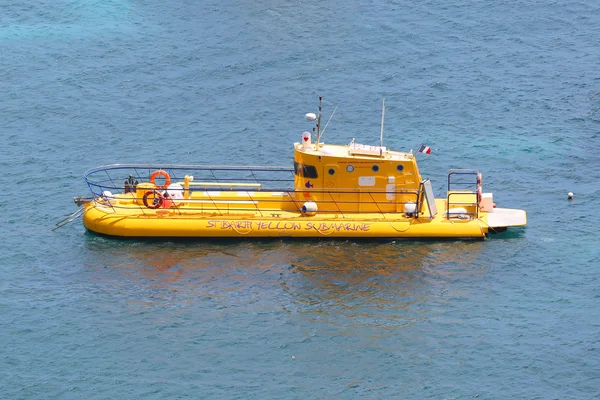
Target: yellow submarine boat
<point x="333" y="191"/>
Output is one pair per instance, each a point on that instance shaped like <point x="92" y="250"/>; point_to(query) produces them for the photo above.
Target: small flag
<point x="424" y="149"/>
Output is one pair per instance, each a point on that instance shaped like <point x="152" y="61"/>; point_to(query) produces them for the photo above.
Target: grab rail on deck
<point x="230" y="185"/>
<point x="462" y="182"/>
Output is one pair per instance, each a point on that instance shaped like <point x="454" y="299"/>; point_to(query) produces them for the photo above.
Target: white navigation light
<point x="311" y="116"/>
<point x="306" y="142"/>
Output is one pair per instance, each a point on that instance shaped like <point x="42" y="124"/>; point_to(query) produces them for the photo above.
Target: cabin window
<point x="350" y="168"/>
<point x="307" y="171"/>
<point x="400" y="167"/>
<point x="375" y="168"/>
<point x="331" y="171"/>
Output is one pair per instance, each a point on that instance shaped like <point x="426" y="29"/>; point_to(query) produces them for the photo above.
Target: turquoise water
<point x="506" y="87"/>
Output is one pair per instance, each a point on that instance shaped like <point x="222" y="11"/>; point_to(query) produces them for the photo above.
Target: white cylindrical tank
<point x="175" y="192"/>
<point x="410" y="208"/>
<point x="309" y="208"/>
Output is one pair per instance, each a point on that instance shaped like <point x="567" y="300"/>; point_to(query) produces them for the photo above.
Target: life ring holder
<point x="156" y="203"/>
<point x="163" y="173"/>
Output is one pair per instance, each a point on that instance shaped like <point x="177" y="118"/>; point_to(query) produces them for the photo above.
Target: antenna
<point x="319" y="124"/>
<point x="382" y="118"/>
<point x="322" y="133"/>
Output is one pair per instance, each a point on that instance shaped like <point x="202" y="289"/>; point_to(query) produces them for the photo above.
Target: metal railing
<point x="107" y="183"/>
<point x="463" y="183"/>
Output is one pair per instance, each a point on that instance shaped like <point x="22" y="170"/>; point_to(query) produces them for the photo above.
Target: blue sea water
<point x="506" y="87"/>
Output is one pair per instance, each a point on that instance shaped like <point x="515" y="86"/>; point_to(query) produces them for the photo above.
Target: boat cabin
<point x="355" y="177"/>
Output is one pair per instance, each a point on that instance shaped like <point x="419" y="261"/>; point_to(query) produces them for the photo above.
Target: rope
<point x="481" y="227"/>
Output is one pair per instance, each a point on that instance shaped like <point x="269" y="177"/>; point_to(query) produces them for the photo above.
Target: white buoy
<point x="570" y="195"/>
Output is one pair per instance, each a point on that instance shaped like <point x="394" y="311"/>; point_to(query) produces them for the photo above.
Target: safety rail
<point x="287" y="201"/>
<point x="463" y="184"/>
<point x="112" y="177"/>
<point x="262" y="190"/>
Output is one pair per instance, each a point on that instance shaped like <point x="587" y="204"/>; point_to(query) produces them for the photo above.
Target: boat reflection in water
<point x="377" y="284"/>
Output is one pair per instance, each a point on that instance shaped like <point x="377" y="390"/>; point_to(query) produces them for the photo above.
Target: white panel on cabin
<point x="366" y="181"/>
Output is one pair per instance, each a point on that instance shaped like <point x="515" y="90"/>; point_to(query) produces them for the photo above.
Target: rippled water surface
<point x="506" y="87"/>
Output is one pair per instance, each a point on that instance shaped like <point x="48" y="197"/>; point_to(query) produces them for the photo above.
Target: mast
<point x="319" y="124"/>
<point x="382" y="118"/>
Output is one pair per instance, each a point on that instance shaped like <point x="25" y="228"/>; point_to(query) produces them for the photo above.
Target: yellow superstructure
<point x="356" y="178"/>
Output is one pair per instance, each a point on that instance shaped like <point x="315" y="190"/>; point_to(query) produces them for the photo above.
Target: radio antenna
<point x="382" y="118"/>
<point x="319" y="124"/>
<point x="328" y="121"/>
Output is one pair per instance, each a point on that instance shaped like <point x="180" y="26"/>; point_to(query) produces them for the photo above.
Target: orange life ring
<point x="157" y="202"/>
<point x="163" y="173"/>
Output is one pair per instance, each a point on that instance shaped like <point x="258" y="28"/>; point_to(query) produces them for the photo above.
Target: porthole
<point x="331" y="171"/>
<point x="350" y="168"/>
<point x="375" y="168"/>
<point x="400" y="167"/>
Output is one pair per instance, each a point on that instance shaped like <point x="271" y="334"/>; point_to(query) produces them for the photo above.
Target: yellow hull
<point x="179" y="222"/>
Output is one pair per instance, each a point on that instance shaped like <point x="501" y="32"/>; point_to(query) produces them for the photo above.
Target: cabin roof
<point x="339" y="151"/>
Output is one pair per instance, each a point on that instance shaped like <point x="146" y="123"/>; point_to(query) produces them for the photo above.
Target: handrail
<point x="229" y="205"/>
<point x="217" y="184"/>
<point x="198" y="167"/>
<point x="249" y="180"/>
<point x="458" y="173"/>
<point x="475" y="203"/>
<point x="467" y="187"/>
